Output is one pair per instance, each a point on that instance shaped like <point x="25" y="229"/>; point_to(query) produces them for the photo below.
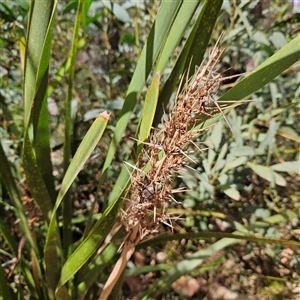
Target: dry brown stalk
<point x="161" y="159"/>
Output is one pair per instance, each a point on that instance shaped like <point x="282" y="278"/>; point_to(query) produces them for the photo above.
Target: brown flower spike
<point x="167" y="153"/>
<point x="162" y="158"/>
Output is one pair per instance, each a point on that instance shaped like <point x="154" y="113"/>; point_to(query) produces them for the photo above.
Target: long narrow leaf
<point x="35" y="180"/>
<point x="8" y="238"/>
<point x="67" y="203"/>
<point x="42" y="149"/>
<point x="267" y="71"/>
<point x="88" y="247"/>
<point x="177" y="30"/>
<point x="39" y="36"/>
<point x="192" y="53"/>
<point x="53" y="247"/>
<point x="149" y="109"/>
<point x="213" y="235"/>
<point x="37" y="165"/>
<point x="95" y="268"/>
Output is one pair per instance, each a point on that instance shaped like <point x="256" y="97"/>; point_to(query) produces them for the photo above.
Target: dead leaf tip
<point x="105" y="115"/>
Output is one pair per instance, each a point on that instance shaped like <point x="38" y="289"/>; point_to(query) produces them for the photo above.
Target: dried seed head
<point x="167" y="152"/>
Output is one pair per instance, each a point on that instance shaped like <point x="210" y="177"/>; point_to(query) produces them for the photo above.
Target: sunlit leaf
<point x="233" y="193"/>
<point x="268" y="174"/>
<point x="53" y="246"/>
<point x="289" y="166"/>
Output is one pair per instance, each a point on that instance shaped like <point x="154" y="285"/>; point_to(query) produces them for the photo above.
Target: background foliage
<point x="56" y="150"/>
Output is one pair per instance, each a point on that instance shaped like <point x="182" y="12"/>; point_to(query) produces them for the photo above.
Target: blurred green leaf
<point x="6" y="13"/>
<point x="269" y="137"/>
<point x="242" y="151"/>
<point x="278" y="39"/>
<point x="216" y="135"/>
<point x="279" y="179"/>
<point x="268" y="174"/>
<point x="260" y="37"/>
<point x="117" y="9"/>
<point x="70" y="6"/>
<point x="290" y="166"/>
<point x="127" y="38"/>
<point x="5" y="291"/>
<point x="233" y="164"/>
<point x="289" y="133"/>
<point x="147" y="269"/>
<point x="233" y="193"/>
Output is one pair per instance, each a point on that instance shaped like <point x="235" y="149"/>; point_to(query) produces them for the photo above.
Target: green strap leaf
<point x="87" y="248"/>
<point x="95" y="268"/>
<point x="67" y="204"/>
<point x="192" y="52"/>
<point x="53" y="246"/>
<point x="35" y="180"/>
<point x="213" y="235"/>
<point x="42" y="150"/>
<point x="38" y="45"/>
<point x="36" y="148"/>
<point x="267" y="71"/>
<point x="149" y="109"/>
<point x="183" y="17"/>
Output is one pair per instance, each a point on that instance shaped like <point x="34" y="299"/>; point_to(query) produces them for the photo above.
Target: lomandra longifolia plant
<point x="166" y="153"/>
